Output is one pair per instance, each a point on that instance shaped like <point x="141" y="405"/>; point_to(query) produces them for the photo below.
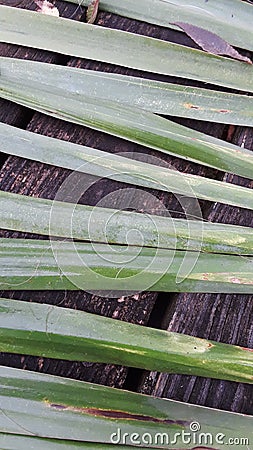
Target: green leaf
<point x="57" y="407"/>
<point x="28" y="28"/>
<point x="230" y="19"/>
<point x="141" y="127"/>
<point x="61" y="219"/>
<point x="37" y="265"/>
<point x="19" y="442"/>
<point x="75" y="85"/>
<point x="53" y="332"/>
<point x="29" y="145"/>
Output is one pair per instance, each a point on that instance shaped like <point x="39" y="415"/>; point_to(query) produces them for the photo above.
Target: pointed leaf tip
<point x="92" y="11"/>
<point x="210" y="42"/>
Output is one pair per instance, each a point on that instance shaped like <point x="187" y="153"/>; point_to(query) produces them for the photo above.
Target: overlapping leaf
<point x="69" y="37"/>
<point x="14" y="141"/>
<point x="230" y="19"/>
<point x="163" y="98"/>
<point x="57" y="407"/>
<point x="62" y="219"/>
<point x="37" y="265"/>
<point x="138" y="126"/>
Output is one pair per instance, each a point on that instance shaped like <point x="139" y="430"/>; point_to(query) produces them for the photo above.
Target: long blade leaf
<point x="38" y="265"/>
<point x="143" y="128"/>
<point x="75" y="84"/>
<point x="61" y="219"/>
<point x="49" y="406"/>
<point x="53" y="332"/>
<point x="82" y="40"/>
<point x="229" y="19"/>
<point x="10" y="441"/>
<point x="14" y="141"/>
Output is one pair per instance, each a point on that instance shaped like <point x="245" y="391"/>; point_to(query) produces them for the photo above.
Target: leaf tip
<point x="92" y="11"/>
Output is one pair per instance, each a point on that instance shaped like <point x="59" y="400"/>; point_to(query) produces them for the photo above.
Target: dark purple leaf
<point x="210" y="42"/>
<point x="92" y="11"/>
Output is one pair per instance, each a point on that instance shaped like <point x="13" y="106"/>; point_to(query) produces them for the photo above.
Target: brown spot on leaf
<point x="203" y="448"/>
<point x="235" y="280"/>
<point x="56" y="406"/>
<point x="205" y="276"/>
<point x="247" y="349"/>
<point x="119" y="415"/>
<point x="190" y="106"/>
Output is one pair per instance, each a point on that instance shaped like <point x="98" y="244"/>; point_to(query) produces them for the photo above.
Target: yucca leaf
<point x="74" y="85"/>
<point x="69" y="37"/>
<point x="56" y="407"/>
<point x="37" y="265"/>
<point x="141" y="127"/>
<point x="53" y="332"/>
<point x="25" y="144"/>
<point x="230" y="19"/>
<point x="62" y="219"/>
<point x="10" y="441"/>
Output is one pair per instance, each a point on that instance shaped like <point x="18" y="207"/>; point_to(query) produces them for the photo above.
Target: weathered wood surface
<point x="225" y="318"/>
